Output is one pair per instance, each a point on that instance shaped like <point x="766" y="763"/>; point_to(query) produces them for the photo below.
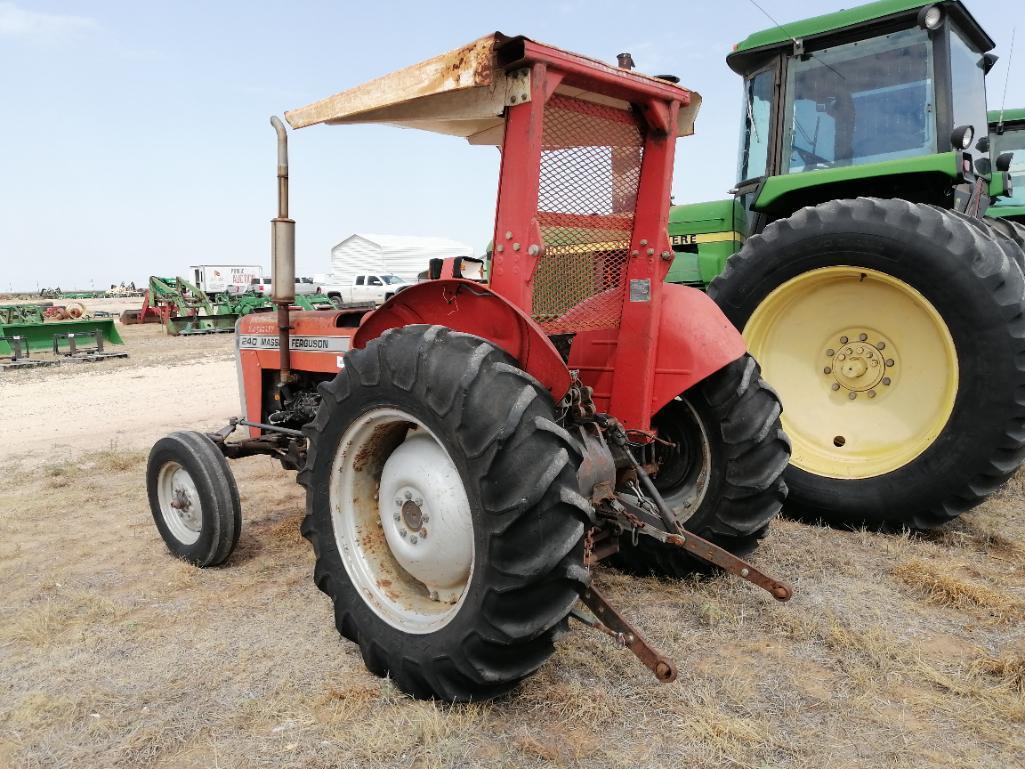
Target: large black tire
<point x="726" y="481"/>
<point x="518" y="469"/>
<point x="977" y="292"/>
<point x="209" y="483"/>
<point x="1013" y="231"/>
<point x="1005" y="233"/>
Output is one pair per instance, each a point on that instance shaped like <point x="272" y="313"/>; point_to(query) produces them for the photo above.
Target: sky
<point x="135" y="136"/>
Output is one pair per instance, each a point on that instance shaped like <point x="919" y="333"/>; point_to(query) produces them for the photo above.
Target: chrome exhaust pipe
<point x="283" y="254"/>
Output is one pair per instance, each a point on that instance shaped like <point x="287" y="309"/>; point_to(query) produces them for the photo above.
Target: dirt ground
<point x="897" y="651"/>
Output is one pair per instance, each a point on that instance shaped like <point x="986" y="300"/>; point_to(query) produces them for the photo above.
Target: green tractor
<point x="856" y="259"/>
<point x="1007" y="134"/>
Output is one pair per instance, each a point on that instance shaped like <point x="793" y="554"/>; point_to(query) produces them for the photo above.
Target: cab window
<point x="968" y="86"/>
<point x="754" y="136"/>
<point x="862" y="102"/>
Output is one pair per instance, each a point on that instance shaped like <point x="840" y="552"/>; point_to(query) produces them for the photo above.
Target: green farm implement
<point x="858" y="260"/>
<point x="27" y="327"/>
<point x="182" y="307"/>
<point x="240" y="304"/>
<point x="247" y="302"/>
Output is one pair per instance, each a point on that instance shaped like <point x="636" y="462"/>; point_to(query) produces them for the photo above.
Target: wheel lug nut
<point x="861" y="351"/>
<point x="408" y="495"/>
<point x="830" y="353"/>
<point x="871" y="393"/>
<point x="886" y="380"/>
<point x="397" y="517"/>
<point x="841" y="356"/>
<point x="398" y="503"/>
<point x="423" y="533"/>
<point x="835" y="386"/>
<point x="852" y="396"/>
<point x="827" y="370"/>
<point x="402" y="533"/>
<point x="880" y="345"/>
<point x="412" y="539"/>
<point x="425" y="518"/>
<point x="843" y="340"/>
<point x="419" y="502"/>
<point x="889" y="361"/>
<point x="849" y="351"/>
<point x="862" y="337"/>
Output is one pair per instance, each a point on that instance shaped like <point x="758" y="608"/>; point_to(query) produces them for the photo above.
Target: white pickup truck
<point x="364" y="288"/>
<point x="264" y="286"/>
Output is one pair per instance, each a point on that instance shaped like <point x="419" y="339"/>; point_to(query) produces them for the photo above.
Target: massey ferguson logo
<point x="332" y="344"/>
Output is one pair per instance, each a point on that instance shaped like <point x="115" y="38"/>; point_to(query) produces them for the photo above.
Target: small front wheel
<point x="193" y="498"/>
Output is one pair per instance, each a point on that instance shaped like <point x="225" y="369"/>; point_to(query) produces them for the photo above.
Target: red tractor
<point x="474" y="446"/>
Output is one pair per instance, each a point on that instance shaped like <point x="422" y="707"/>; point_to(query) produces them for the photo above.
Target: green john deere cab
<point x="856" y="259"/>
<point x="1007" y="134"/>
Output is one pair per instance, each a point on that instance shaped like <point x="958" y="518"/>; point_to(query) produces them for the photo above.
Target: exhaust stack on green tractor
<point x="857" y="259"/>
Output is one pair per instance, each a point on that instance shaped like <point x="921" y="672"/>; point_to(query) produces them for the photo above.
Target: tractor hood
<point x="465" y="92"/>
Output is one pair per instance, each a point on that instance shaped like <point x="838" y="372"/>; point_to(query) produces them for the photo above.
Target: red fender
<point x="470" y="307"/>
<point x="694" y="340"/>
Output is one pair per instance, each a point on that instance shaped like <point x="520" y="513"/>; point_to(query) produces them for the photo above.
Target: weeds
<point x="942" y="588"/>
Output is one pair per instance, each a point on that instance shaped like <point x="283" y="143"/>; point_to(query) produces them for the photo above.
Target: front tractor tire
<point x="895" y="336"/>
<point x="442" y="506"/>
<point x="723" y="476"/>
<point x="193" y="498"/>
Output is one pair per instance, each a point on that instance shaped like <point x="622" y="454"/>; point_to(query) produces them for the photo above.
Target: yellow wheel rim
<point x="865" y="366"/>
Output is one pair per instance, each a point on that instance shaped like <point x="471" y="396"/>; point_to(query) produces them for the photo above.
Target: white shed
<point x="403" y="255"/>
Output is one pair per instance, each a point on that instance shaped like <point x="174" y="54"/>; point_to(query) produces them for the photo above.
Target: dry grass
<point x="943" y="588"/>
<point x="114" y="459"/>
<point x="1008" y="670"/>
<point x="113" y="654"/>
<point x="903" y="651"/>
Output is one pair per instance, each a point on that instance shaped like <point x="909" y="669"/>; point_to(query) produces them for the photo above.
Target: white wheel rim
<point x="401" y="520"/>
<point x="686" y="501"/>
<point x="179" y="503"/>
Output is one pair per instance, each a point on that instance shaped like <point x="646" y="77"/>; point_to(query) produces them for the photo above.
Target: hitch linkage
<point x="649" y="515"/>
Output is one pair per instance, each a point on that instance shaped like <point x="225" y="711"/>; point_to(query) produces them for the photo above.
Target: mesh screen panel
<point x="590" y="167"/>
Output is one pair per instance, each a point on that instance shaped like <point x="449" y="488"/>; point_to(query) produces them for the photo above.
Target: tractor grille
<point x="590" y="167"/>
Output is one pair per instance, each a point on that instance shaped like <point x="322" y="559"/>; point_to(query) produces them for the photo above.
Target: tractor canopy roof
<point x="1007" y="116"/>
<point x="755" y="45"/>
<point x="465" y="92"/>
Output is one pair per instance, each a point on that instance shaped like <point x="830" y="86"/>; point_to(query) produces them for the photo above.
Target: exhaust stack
<point x="283" y="253"/>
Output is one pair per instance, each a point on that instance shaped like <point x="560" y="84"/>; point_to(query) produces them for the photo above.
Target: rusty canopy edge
<point x="463" y="93"/>
<point x="468" y="67"/>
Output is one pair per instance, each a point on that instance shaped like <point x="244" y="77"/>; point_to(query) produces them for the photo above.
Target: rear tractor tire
<point x="443" y="509"/>
<point x="1013" y="231"/>
<point x="895" y="335"/>
<point x="724" y="477"/>
<point x="193" y="498"/>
